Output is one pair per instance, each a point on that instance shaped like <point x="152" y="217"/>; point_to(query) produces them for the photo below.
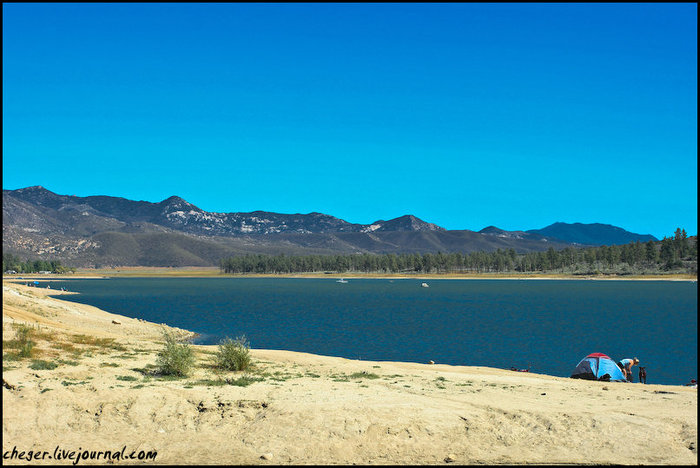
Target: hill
<point x="113" y="231"/>
<point x="591" y="234"/>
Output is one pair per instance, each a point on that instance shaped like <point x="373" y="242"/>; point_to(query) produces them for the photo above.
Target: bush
<point x="175" y="358"/>
<point x="127" y="378"/>
<point x="233" y="354"/>
<point x="39" y="364"/>
<point x="364" y="375"/>
<point x="25" y="345"/>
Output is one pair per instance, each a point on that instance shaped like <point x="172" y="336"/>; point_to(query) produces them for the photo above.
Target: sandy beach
<point x="297" y="408"/>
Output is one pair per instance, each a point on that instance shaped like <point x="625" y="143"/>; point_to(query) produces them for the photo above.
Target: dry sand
<point x="310" y="409"/>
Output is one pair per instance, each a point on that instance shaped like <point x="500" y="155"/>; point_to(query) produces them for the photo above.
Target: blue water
<point x="549" y="325"/>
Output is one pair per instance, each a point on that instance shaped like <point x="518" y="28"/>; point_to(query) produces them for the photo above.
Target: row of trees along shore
<point x="677" y="254"/>
<point x="13" y="263"/>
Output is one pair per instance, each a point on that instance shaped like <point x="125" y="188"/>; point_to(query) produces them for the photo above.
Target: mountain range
<point x="113" y="231"/>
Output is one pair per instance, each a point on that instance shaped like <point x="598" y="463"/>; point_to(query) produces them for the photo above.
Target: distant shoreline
<point x="214" y="272"/>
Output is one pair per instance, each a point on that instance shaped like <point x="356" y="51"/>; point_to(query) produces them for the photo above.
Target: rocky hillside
<point x="103" y="230"/>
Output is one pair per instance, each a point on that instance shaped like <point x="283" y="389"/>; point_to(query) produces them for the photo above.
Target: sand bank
<point x="307" y="409"/>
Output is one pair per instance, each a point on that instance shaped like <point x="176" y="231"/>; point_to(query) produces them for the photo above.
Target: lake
<point x="546" y="325"/>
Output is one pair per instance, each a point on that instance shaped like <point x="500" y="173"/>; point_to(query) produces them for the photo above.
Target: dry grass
<point x="33" y="341"/>
<point x="106" y="343"/>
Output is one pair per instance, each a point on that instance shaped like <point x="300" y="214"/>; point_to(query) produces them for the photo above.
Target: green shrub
<point x="25" y="345"/>
<point x="39" y="364"/>
<point x="128" y="378"/>
<point x="364" y="375"/>
<point x="175" y="358"/>
<point x="233" y="355"/>
<point x="23" y="331"/>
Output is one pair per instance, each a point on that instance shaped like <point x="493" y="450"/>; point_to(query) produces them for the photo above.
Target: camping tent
<point x="598" y="366"/>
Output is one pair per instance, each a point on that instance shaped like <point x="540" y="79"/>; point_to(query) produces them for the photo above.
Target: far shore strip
<point x="143" y="272"/>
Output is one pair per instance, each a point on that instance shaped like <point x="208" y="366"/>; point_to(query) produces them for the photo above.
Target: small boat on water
<point x="424" y="285"/>
<point x="341" y="280"/>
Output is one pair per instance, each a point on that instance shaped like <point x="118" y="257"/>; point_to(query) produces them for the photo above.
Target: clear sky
<point x="464" y="115"/>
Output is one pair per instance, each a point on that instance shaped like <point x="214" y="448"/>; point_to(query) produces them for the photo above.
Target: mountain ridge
<point x="591" y="234"/>
<point x="101" y="229"/>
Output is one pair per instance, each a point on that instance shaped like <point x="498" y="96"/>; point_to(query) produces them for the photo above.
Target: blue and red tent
<point x="598" y="366"/>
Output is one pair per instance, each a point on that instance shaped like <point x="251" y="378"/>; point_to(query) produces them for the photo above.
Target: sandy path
<point x="308" y="409"/>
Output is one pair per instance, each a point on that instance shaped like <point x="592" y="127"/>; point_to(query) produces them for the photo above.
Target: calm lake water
<point x="549" y="325"/>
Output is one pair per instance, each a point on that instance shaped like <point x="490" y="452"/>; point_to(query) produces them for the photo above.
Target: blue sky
<point x="465" y="115"/>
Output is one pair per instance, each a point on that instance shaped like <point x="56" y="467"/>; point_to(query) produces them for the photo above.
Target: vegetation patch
<point x="43" y="335"/>
<point x="209" y="382"/>
<point x="175" y="358"/>
<point x="68" y="347"/>
<point x="67" y="383"/>
<point x="68" y="362"/>
<point x="169" y="378"/>
<point x="279" y="376"/>
<point x="440" y="382"/>
<point x="244" y="380"/>
<point x="676" y="254"/>
<point x="39" y="364"/>
<point x="128" y="378"/>
<point x="149" y="369"/>
<point x="13" y="262"/>
<point x="106" y="343"/>
<point x="22" y="342"/>
<point x="363" y="375"/>
<point x="125" y="356"/>
<point x="11" y="357"/>
<point x="233" y="355"/>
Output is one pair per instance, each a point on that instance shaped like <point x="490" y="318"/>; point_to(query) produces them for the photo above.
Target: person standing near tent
<point x="626" y="366"/>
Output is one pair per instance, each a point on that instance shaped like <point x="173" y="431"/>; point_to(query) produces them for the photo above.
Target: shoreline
<point x="300" y="408"/>
<point x="213" y="272"/>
